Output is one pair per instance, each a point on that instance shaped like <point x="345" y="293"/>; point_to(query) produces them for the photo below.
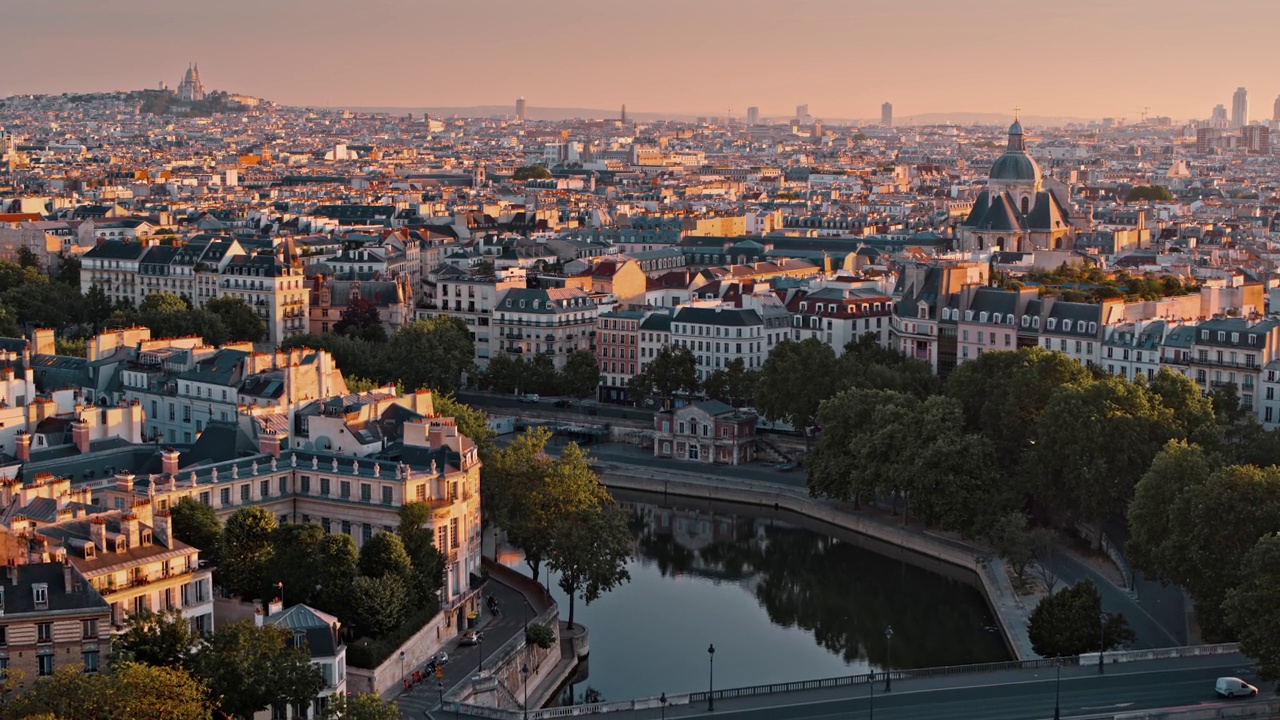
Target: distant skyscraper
<point x="1219" y="116"/>
<point x="191" y="88"/>
<point x="753" y="114"/>
<point x="520" y="109"/>
<point x="624" y="113"/>
<point x="802" y="112"/>
<point x="1240" y="108"/>
<point x="886" y="114"/>
<point x="1275" y="111"/>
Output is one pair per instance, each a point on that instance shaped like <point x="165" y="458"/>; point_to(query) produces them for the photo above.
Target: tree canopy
<point x="130" y="690"/>
<point x="1070" y="622"/>
<point x="249" y="668"/>
<point x="1148" y="193"/>
<point x="530" y="172"/>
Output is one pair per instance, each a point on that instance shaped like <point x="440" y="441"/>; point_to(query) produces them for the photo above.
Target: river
<point x="781" y="598"/>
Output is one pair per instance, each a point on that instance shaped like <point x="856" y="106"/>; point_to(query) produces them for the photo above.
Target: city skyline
<point x="939" y="69"/>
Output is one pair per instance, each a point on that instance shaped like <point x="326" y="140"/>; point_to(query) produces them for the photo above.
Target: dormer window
<point x="1093" y="327"/>
<point x="982" y="316"/>
<point x="1053" y="322"/>
<point x="1222" y="336"/>
<point x="40" y="591"/>
<point x="1235" y="338"/>
<point x="1026" y="321"/>
<point x="1035" y="322"/>
<point x="968" y="315"/>
<point x="1066" y="326"/>
<point x="1204" y="334"/>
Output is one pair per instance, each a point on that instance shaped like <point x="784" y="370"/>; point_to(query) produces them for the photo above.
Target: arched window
<point x="1026" y="205"/>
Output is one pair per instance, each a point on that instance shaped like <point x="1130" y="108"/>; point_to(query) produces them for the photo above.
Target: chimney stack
<point x="269" y="443"/>
<point x="162" y="529"/>
<point x="129" y="527"/>
<point x="22" y="443"/>
<point x="80" y="434"/>
<point x="169" y="461"/>
<point x="124" y="482"/>
<point x="98" y="533"/>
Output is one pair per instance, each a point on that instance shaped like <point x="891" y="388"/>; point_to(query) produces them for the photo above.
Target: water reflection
<point x="782" y="599"/>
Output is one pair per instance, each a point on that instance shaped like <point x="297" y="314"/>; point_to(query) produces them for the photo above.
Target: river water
<point x="781" y="597"/>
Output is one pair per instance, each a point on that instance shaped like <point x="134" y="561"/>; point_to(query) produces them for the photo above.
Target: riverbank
<point x="1008" y="608"/>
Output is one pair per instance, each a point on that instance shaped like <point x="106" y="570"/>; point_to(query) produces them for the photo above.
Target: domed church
<point x="1016" y="212"/>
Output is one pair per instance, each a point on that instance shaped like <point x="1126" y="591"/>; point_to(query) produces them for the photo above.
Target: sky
<point x="1065" y="58"/>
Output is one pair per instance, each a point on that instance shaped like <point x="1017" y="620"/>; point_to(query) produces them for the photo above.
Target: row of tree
<point x="556" y="511"/>
<point x="435" y="353"/>
<point x="373" y="591"/>
<point x="579" y="378"/>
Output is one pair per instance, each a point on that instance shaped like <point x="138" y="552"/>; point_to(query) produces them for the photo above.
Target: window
<point x="284" y="484"/>
<point x="366" y="533"/>
<point x="386" y="495"/>
<point x="89" y="628"/>
<point x="366" y="492"/>
<point x="305" y="481"/>
<point x="41" y="592"/>
<point x="324" y="486"/>
<point x="4" y="635"/>
<point x="344" y="488"/>
<point x="346" y="527"/>
<point x="44" y="632"/>
<point x="264" y="488"/>
<point x="453" y="531"/>
<point x="45" y="665"/>
<point x="225" y="496"/>
<point x="244" y="493"/>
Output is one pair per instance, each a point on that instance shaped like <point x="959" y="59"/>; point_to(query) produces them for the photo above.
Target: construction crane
<point x="1145" y="109"/>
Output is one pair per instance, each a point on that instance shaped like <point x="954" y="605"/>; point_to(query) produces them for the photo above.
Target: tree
<point x="246" y="551"/>
<point x="130" y="690"/>
<point x="504" y="374"/>
<point x="250" y="668"/>
<point x="1093" y="443"/>
<point x="1252" y="607"/>
<point x="432" y="353"/>
<point x="581" y="374"/>
<point x="378" y="605"/>
<point x="530" y="172"/>
<point x="163" y="303"/>
<point x="356" y="357"/>
<point x="1176" y="469"/>
<point x="69" y="272"/>
<point x="313" y="566"/>
<point x="1069" y="623"/>
<point x="241" y="322"/>
<point x="734" y="384"/>
<point x="360" y="319"/>
<point x="27" y="258"/>
<point x="427" y="576"/>
<point x="384" y="554"/>
<point x="795" y="379"/>
<point x="1148" y="193"/>
<point x="672" y="370"/>
<point x="541" y="635"/>
<point x="197" y="525"/>
<point x="162" y="639"/>
<point x="360" y="706"/>
<point x="540" y="374"/>
<point x="1013" y="541"/>
<point x="590" y="550"/>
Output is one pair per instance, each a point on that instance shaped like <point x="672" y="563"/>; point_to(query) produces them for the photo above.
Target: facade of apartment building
<point x="555" y="322"/>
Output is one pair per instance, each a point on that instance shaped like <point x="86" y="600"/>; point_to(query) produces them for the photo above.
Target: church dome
<point x="1015" y="166"/>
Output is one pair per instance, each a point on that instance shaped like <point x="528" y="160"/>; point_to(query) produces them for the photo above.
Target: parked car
<point x="441" y="658"/>
<point x="1229" y="687"/>
<point x="564" y="403"/>
<point x="470" y="637"/>
<point x="531" y="398"/>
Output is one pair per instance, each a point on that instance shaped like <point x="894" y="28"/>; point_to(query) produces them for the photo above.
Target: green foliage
<point x="238" y="318"/>
<point x="360" y="319"/>
<point x="383" y="555"/>
<point x="246" y="551"/>
<point x="540" y="635"/>
<point x="1174" y="470"/>
<point x="1149" y="193"/>
<point x="1070" y="623"/>
<point x="581" y="374"/>
<point x="733" y="385"/>
<point x="590" y="549"/>
<point x="129" y="691"/>
<point x="314" y="567"/>
<point x="249" y="668"/>
<point x="673" y="370"/>
<point x="378" y="605"/>
<point x="472" y="422"/>
<point x="197" y="525"/>
<point x="161" y="639"/>
<point x="431" y="353"/>
<point x="795" y="379"/>
<point x="1252" y="608"/>
<point x="360" y="706"/>
<point x="1014" y="542"/>
<point x="530" y="172"/>
<point x="370" y="653"/>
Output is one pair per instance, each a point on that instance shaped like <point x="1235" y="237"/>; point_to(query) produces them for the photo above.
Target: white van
<point x="1229" y="687"/>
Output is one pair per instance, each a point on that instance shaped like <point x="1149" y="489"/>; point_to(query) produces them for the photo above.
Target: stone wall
<point x="417" y="650"/>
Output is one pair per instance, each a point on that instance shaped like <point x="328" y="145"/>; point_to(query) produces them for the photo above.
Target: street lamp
<point x="888" y="663"/>
<point x="662" y="701"/>
<point x="711" y="681"/>
<point x="871" y="695"/>
<point x="1102" y="639"/>
<point x="480" y="659"/>
<point x="524" y="671"/>
<point x="440" y="688"/>
<point x="402" y="665"/>
<point x="1057" y="691"/>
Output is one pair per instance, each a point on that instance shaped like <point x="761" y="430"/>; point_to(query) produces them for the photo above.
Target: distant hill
<point x="568" y="113"/>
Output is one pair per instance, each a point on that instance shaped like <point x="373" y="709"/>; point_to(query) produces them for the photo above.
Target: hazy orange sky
<point x="1083" y="58"/>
